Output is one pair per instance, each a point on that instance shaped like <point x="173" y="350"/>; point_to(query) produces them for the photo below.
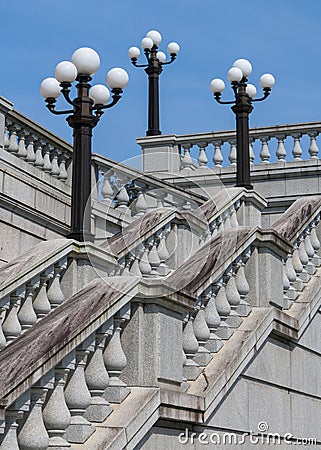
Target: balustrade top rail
<point x="225" y="135"/>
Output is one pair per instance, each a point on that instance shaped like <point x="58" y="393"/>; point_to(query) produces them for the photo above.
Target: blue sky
<point x="282" y="37"/>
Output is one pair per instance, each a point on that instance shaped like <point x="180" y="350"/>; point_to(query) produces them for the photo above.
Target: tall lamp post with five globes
<point x="155" y="61"/>
<point x="86" y="109"/>
<point x="244" y="93"/>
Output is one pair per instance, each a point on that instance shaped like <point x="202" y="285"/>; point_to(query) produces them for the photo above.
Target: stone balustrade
<point x="299" y="225"/>
<point x="268" y="145"/>
<point x="130" y="191"/>
<point x="163" y="239"/>
<point x="34" y="144"/>
<point x="33" y="285"/>
<point x="71" y="391"/>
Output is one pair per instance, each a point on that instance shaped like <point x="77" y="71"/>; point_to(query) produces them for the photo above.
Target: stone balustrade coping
<point x="293" y="222"/>
<point x="40" y="348"/>
<point x="43" y="255"/>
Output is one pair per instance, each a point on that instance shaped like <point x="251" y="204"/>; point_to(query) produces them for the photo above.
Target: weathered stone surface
<point x="205" y="261"/>
<point x="292" y="220"/>
<point x="57" y="329"/>
<point x="137" y="231"/>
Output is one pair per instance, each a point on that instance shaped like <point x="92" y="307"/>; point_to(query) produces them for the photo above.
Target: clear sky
<point x="282" y="37"/>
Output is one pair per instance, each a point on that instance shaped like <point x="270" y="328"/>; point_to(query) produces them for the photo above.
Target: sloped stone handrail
<point x="30" y="286"/>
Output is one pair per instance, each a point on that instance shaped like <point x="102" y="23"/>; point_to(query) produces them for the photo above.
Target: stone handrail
<point x="298" y="225"/>
<point x="34" y="144"/>
<point x="31" y="285"/>
<point x="222" y="157"/>
<point x="67" y="348"/>
<point x="122" y="186"/>
<point x="147" y="246"/>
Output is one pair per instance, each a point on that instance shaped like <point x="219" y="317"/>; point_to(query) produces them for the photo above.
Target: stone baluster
<point x="219" y="223"/>
<point x="202" y="158"/>
<point x="13" y="144"/>
<point x="223" y="307"/>
<point x="213" y="228"/>
<point x="310" y="268"/>
<point x="11" y="326"/>
<point x="296" y="150"/>
<point x="162" y="250"/>
<point x="107" y="191"/>
<point x="63" y="174"/>
<point x="78" y="399"/>
<point x="134" y="267"/>
<point x="291" y="293"/>
<point x="6" y="141"/>
<point x="315" y="243"/>
<point x="218" y="157"/>
<point x="153" y="257"/>
<point x="123" y="199"/>
<point x="202" y="334"/>
<point x="144" y="265"/>
<point x="233" y="217"/>
<point x="3" y="341"/>
<point x="214" y="343"/>
<point x="191" y="370"/>
<point x="47" y="164"/>
<point x="54" y="293"/>
<point x="141" y="204"/>
<point x="252" y="155"/>
<point x="97" y="379"/>
<point x="41" y="304"/>
<point x="39" y="162"/>
<point x="304" y="275"/>
<point x="313" y="148"/>
<point x="10" y="438"/>
<point x="265" y="152"/>
<point x="56" y="414"/>
<point x="54" y="164"/>
<point x="31" y="155"/>
<point x="160" y="195"/>
<point x="281" y="151"/>
<point x="226" y="220"/>
<point x="187" y="162"/>
<point x="33" y="434"/>
<point x="22" y="151"/>
<point x="233" y="154"/>
<point x="125" y="263"/>
<point x="115" y="360"/>
<point x="242" y="285"/>
<point x="233" y="297"/>
<point x="286" y="289"/>
<point x="26" y="315"/>
<point x="298" y="268"/>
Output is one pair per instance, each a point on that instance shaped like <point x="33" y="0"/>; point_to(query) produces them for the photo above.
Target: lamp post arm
<point x="267" y="92"/>
<point x="217" y="96"/>
<point x="134" y="63"/>
<point x="173" y="57"/>
<point x="116" y="97"/>
<point x="50" y="104"/>
<point x="66" y="91"/>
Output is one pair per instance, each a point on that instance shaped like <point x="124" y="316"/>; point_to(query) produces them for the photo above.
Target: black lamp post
<point x="87" y="108"/>
<point x="242" y="107"/>
<point x="154" y="67"/>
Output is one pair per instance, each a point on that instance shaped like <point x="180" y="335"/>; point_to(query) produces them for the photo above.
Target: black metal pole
<point x="82" y="122"/>
<point x="242" y="110"/>
<point x="153" y="71"/>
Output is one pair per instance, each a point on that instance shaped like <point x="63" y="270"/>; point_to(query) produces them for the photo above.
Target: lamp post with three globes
<point x="244" y="93"/>
<point x="87" y="108"/>
<point x="155" y="61"/>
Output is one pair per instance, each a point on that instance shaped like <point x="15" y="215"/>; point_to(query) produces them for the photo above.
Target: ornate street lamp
<point x="87" y="108"/>
<point x="154" y="67"/>
<point x="242" y="107"/>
